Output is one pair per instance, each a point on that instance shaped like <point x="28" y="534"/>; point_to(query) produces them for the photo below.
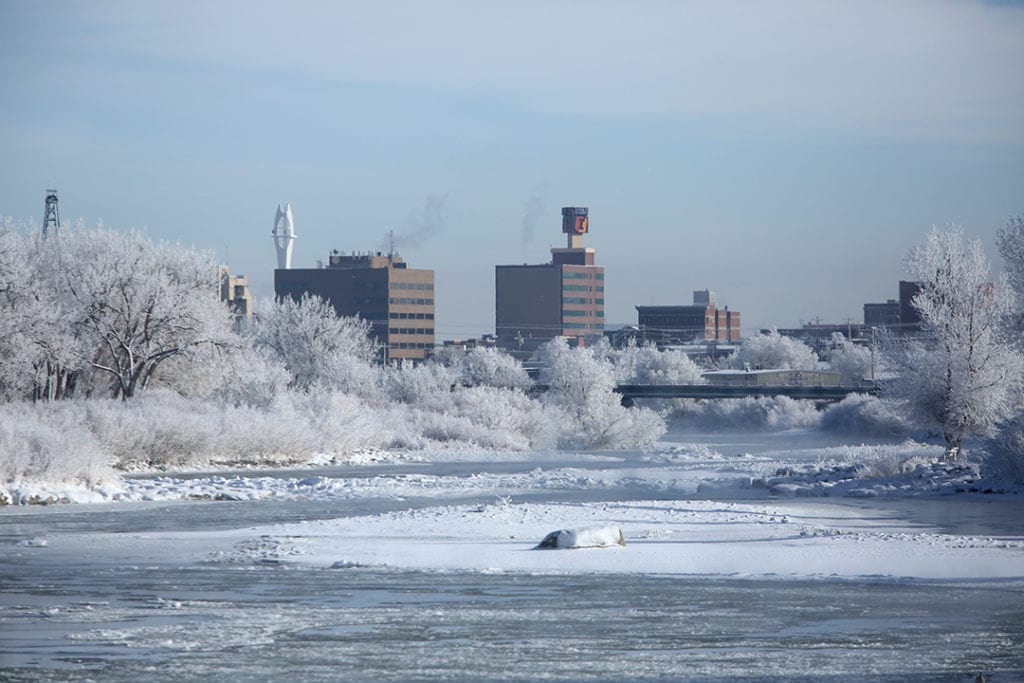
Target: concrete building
<point x="234" y="291"/>
<point x="563" y="298"/>
<point x="397" y="300"/>
<point x="701" y="321"/>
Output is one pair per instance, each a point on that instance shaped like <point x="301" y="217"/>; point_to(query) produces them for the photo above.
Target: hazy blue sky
<point x="784" y="154"/>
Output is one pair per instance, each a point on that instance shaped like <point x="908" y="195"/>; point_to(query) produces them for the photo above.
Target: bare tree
<point x="958" y="375"/>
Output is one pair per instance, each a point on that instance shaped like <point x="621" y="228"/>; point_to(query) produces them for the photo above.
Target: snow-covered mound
<point x="587" y="537"/>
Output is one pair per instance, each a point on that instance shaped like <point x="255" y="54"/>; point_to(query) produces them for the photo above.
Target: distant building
<point x="819" y="335"/>
<point x="234" y="291"/>
<point x="487" y="341"/>
<point x="701" y="321"/>
<point x="910" y="319"/>
<point x="896" y="315"/>
<point x="397" y="300"/>
<point x="882" y="315"/>
<point x="563" y="298"/>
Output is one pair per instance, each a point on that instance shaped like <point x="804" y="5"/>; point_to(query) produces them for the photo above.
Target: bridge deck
<point x="710" y="391"/>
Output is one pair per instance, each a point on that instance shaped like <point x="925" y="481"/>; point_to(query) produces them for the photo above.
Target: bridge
<point x="825" y="394"/>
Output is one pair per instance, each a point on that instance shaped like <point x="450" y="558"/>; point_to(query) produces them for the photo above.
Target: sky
<point x="785" y="155"/>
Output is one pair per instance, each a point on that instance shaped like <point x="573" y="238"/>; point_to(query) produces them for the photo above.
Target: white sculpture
<point x="284" y="236"/>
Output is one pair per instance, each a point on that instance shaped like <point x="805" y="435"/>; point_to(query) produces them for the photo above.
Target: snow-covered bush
<point x="852" y="362"/>
<point x="48" y="443"/>
<point x="760" y="413"/>
<point x="159" y="430"/>
<point x="423" y="384"/>
<point x="866" y="416"/>
<point x="888" y="461"/>
<point x="1005" y="457"/>
<point x="581" y="385"/>
<point x="652" y="366"/>
<point x="772" y="351"/>
<point x="486" y="367"/>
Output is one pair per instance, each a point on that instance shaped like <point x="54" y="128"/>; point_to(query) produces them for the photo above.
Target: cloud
<point x="917" y="68"/>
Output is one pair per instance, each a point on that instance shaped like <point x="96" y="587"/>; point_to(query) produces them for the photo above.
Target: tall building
<point x="701" y="321"/>
<point x="397" y="300"/>
<point x="563" y="298"/>
<point x="234" y="291"/>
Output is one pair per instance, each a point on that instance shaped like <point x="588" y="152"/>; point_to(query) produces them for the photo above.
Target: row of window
<point x="583" y="314"/>
<point x="407" y="300"/>
<point x="582" y="288"/>
<point x="410" y="345"/>
<point x="583" y="326"/>
<point x="411" y="316"/>
<point x="413" y="285"/>
<point x="410" y="330"/>
<point x="569" y="275"/>
<point x="581" y="300"/>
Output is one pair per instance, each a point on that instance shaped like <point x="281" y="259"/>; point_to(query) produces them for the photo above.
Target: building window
<point x="407" y="300"/>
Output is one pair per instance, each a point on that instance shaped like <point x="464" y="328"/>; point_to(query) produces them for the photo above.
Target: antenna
<point x="51" y="216"/>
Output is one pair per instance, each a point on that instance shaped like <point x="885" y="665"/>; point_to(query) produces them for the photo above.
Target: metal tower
<point x="51" y="217"/>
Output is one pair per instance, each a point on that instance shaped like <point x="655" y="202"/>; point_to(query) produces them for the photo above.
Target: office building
<point x="397" y="300"/>
<point x="234" y="291"/>
<point x="701" y="321"/>
<point x="562" y="298"/>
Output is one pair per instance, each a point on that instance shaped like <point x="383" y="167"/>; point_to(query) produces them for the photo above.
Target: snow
<point x="681" y="509"/>
<point x="587" y="537"/>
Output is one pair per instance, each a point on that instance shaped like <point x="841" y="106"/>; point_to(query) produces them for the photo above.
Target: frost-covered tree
<point x="772" y="351"/>
<point x="424" y="383"/>
<point x="852" y="362"/>
<point x="581" y="384"/>
<point x="485" y="367"/>
<point x="316" y="345"/>
<point x="43" y="349"/>
<point x="1011" y="248"/>
<point x="958" y="375"/>
<point x="139" y="303"/>
<point x="664" y="367"/>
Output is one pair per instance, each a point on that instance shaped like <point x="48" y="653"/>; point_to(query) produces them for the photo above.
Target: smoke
<point x="419" y="228"/>
<point x="533" y="211"/>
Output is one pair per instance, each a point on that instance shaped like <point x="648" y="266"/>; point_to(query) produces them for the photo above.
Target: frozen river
<point x="273" y="588"/>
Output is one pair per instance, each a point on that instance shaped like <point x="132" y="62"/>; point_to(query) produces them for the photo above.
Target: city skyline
<point x="785" y="158"/>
